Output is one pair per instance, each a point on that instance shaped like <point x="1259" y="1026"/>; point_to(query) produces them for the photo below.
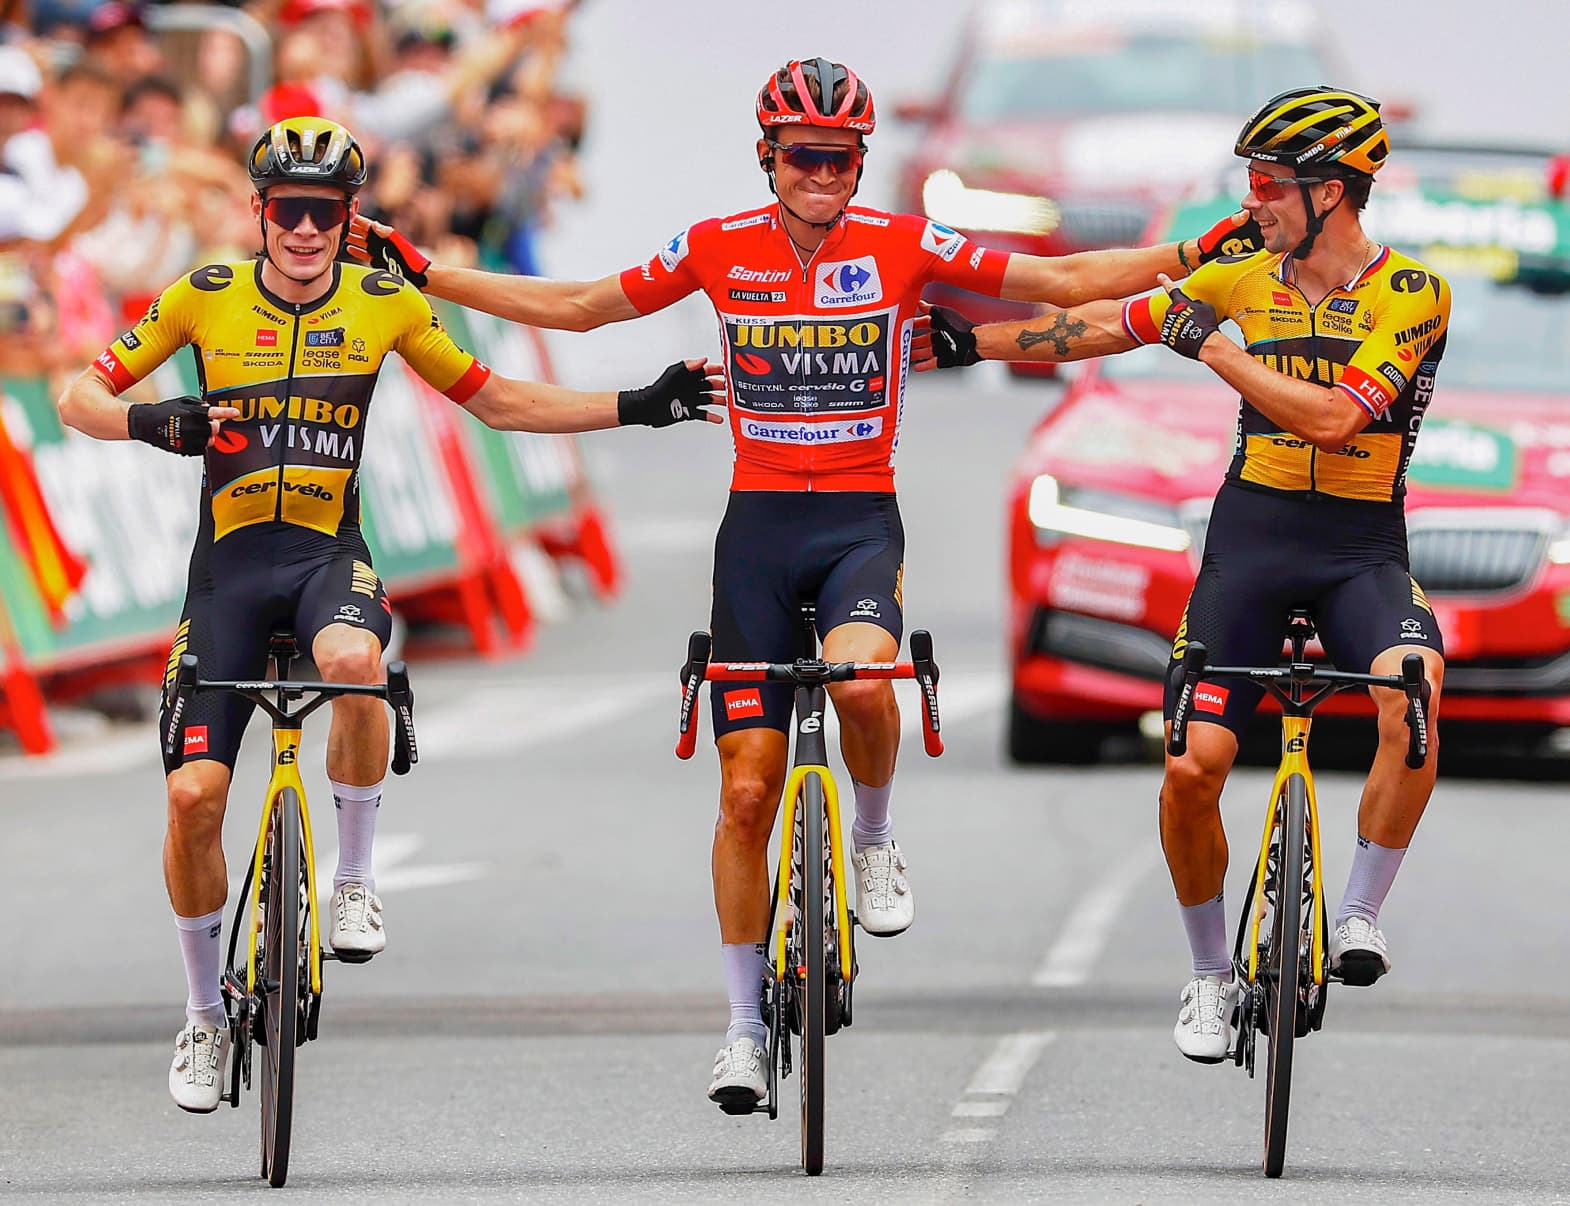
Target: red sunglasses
<point x="288" y="212"/>
<point x="812" y="157"/>
<point x="1273" y="188"/>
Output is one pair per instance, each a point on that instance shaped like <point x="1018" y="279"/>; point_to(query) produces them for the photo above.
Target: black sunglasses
<point x="810" y="157"/>
<point x="288" y="212"/>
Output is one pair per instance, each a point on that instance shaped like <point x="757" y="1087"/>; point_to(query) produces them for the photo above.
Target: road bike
<point x="272" y="984"/>
<point x="807" y="985"/>
<point x="1281" y="957"/>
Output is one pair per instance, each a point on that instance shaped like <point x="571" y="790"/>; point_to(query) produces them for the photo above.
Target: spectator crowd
<point x="124" y="130"/>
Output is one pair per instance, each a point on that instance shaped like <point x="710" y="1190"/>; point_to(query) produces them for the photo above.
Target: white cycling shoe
<point x="741" y="1077"/>
<point x="357" y="931"/>
<point x="196" y="1077"/>
<point x="1357" y="951"/>
<point x="884" y="903"/>
<point x="1204" y="1030"/>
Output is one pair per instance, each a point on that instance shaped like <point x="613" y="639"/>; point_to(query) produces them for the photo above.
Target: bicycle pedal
<point x="349" y="956"/>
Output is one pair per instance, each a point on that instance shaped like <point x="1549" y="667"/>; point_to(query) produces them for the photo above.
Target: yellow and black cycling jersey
<point x="1379" y="338"/>
<point x="301" y="376"/>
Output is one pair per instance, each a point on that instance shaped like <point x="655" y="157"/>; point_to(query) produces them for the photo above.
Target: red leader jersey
<point x="815" y="356"/>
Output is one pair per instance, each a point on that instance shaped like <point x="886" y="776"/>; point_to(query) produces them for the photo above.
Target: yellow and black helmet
<point x="1321" y="127"/>
<point x="307" y="150"/>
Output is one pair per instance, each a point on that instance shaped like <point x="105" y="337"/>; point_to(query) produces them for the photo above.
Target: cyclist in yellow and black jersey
<point x="288" y="347"/>
<point x="1342" y="339"/>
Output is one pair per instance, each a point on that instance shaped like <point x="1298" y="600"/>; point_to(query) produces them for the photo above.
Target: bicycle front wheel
<point x="813" y="950"/>
<point x="278" y="983"/>
<point x="1286" y="945"/>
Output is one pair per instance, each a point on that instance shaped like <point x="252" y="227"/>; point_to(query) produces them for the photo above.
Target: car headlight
<point x="1058" y="511"/>
<point x="949" y="200"/>
<point x="1559" y="547"/>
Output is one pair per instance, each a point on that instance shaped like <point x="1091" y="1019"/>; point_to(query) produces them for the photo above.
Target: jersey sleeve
<point x="429" y="350"/>
<point x="1408" y="322"/>
<point x="669" y="275"/>
<point x="1212" y="283"/>
<point x="955" y="260"/>
<point x="167" y="327"/>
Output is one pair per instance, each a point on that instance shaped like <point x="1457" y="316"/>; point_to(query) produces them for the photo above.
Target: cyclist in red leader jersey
<point x="819" y="307"/>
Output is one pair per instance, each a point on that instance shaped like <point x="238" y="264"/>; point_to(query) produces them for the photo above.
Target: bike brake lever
<point x="1415" y="684"/>
<point x="1194" y="658"/>
<point x="400" y="696"/>
<point x="699" y="648"/>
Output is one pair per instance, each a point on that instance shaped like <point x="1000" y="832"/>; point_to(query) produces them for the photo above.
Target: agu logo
<point x="848" y="282"/>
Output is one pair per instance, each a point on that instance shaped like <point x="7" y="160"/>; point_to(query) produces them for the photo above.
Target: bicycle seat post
<point x="809" y="631"/>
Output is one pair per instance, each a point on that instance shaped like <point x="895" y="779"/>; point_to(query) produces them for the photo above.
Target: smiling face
<point x="1278" y="207"/>
<point x="304" y="250"/>
<point x="817" y="194"/>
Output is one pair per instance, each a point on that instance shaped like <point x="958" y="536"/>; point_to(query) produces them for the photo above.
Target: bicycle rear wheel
<point x="813" y="948"/>
<point x="278" y="983"/>
<point x="1286" y="944"/>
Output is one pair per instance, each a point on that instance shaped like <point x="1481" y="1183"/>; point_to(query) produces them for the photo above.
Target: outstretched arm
<point x="1069" y="280"/>
<point x="946" y="339"/>
<point x="531" y="300"/>
<point x="682" y="393"/>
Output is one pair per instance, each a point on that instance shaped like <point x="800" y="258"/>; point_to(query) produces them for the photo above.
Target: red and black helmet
<point x="801" y="93"/>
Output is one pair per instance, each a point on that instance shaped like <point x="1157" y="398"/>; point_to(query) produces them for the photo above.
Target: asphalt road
<point x="542" y="1024"/>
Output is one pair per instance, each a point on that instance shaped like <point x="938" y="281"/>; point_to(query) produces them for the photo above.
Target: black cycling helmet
<point x="307" y="150"/>
<point x="1327" y="131"/>
<point x="1317" y="127"/>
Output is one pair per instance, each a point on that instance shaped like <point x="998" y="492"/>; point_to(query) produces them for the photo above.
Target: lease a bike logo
<point x="848" y="283"/>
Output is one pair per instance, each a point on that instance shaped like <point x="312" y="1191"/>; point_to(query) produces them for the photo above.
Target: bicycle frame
<point x="811" y="759"/>
<point x="1294" y="761"/>
<point x="286" y="774"/>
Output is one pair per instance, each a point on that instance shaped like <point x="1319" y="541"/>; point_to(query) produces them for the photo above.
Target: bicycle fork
<point x="286" y="774"/>
<point x="811" y="759"/>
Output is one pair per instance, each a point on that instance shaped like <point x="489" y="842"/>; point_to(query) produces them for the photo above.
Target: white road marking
<point x="1008" y="1065"/>
<point x="102" y="755"/>
<point x="391" y="853"/>
<point x="973" y="1135"/>
<point x="499" y="720"/>
<point x="1084" y="934"/>
<point x="996" y="1081"/>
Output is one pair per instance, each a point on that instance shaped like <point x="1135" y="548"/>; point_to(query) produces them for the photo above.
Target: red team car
<point x="1109" y="503"/>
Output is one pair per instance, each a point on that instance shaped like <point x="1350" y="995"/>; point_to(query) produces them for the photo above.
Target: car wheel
<point x="1036" y="741"/>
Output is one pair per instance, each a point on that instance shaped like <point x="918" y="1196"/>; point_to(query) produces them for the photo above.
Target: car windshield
<point x="1133" y="75"/>
<point x="1503" y="337"/>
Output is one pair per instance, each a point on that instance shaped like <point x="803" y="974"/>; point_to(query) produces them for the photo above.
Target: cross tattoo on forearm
<point x="1060" y="334"/>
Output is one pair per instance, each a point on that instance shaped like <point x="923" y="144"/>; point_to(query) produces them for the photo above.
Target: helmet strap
<point x="767" y="164"/>
<point x="1316" y="222"/>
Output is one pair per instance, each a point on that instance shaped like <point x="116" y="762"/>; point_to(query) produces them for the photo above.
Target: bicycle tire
<point x="278" y="982"/>
<point x="814" y="954"/>
<point x="1286" y="941"/>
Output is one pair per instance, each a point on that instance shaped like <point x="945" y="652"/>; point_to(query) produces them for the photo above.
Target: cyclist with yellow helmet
<point x="288" y="347"/>
<point x="1342" y="338"/>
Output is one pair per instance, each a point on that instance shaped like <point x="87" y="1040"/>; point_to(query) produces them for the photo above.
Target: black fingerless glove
<point x="1224" y="239"/>
<point x="678" y="396"/>
<point x="394" y="253"/>
<point x="953" y="338"/>
<point x="1187" y="325"/>
<point x="179" y="425"/>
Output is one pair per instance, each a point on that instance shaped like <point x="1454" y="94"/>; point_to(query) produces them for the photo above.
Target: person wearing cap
<point x="818" y="307"/>
<point x="1342" y="338"/>
<point x="279" y="540"/>
<point x="117" y="39"/>
<point x="20" y="83"/>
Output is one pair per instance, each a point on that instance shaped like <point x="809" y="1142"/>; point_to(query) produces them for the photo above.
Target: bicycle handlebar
<point x="698" y="669"/>
<point x="1412" y="682"/>
<point x="396" y="691"/>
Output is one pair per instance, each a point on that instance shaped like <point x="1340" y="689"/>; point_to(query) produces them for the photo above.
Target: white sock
<point x="744" y="986"/>
<point x="201" y="946"/>
<point x="1206" y="927"/>
<point x="871" y="826"/>
<point x="1374" y="869"/>
<point x="356" y="832"/>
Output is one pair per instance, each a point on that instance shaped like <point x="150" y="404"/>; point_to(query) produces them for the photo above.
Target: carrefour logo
<point x="849" y="283"/>
<point x="942" y="241"/>
<point x="812" y="433"/>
